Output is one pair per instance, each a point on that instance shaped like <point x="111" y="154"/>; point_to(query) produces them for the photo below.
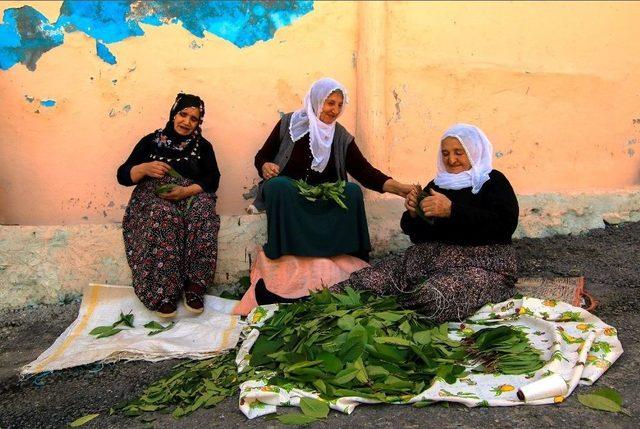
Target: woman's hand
<point x="178" y="193"/>
<point x="436" y="205"/>
<point x="155" y="169"/>
<point x="395" y="187"/>
<point x="269" y="170"/>
<point x="411" y="201"/>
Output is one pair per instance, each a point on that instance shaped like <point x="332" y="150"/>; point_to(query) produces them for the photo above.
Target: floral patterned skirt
<point x="169" y="243"/>
<point x="445" y="282"/>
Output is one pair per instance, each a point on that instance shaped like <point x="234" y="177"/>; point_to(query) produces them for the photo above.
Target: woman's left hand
<point x="178" y="193"/>
<point x="436" y="205"/>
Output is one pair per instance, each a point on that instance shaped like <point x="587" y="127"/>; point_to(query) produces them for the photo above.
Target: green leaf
<point x="296" y="419"/>
<point x="173" y="173"/>
<point x="345" y="376"/>
<point x="393" y="340"/>
<point x="605" y="399"/>
<point x="330" y="362"/>
<point x="422" y="337"/>
<point x="156" y="327"/>
<point x="314" y="407"/>
<point x="82" y="420"/>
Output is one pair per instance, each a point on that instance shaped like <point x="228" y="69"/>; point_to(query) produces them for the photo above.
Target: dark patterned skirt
<point x="298" y="227"/>
<point x="445" y="282"/>
<point x="169" y="243"/>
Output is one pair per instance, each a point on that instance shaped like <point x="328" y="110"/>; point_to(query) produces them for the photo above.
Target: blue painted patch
<point x="105" y="54"/>
<point x="26" y="33"/>
<point x="48" y="103"/>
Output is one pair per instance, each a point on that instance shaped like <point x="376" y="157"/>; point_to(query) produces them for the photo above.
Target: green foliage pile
<point x="325" y="191"/>
<point x="347" y="344"/>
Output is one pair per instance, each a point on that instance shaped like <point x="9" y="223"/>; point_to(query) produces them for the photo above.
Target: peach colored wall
<point x="60" y="164"/>
<point x="554" y="85"/>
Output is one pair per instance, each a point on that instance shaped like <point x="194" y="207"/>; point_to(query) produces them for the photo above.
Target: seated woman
<point x="462" y="258"/>
<point x="310" y="144"/>
<point x="171" y="238"/>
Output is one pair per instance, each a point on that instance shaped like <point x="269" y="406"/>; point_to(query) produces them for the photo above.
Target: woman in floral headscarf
<point x="461" y="224"/>
<point x="170" y="226"/>
<point x="310" y="144"/>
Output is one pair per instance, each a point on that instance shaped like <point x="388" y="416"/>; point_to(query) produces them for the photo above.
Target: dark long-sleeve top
<point x="488" y="217"/>
<point x="299" y="165"/>
<point x="203" y="170"/>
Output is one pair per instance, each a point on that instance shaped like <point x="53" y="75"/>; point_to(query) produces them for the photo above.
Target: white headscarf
<point x="307" y="120"/>
<point x="480" y="153"/>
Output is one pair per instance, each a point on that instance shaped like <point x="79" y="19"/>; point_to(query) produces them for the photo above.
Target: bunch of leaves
<point x="192" y="385"/>
<point x="503" y="349"/>
<point x="109" y="330"/>
<point x="337" y="344"/>
<point x="325" y="191"/>
<point x="605" y="399"/>
<point x="354" y="344"/>
<point x="168" y="187"/>
<point x="155" y="327"/>
<point x="422" y="194"/>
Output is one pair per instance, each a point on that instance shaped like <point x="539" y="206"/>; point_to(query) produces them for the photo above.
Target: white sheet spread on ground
<point x="575" y="344"/>
<point x="194" y="337"/>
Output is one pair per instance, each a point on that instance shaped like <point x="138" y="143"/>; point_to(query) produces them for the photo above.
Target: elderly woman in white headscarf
<point x="309" y="144"/>
<point x="461" y="224"/>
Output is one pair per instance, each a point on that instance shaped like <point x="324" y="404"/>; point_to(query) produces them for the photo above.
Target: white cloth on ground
<point x="194" y="337"/>
<point x="574" y="343"/>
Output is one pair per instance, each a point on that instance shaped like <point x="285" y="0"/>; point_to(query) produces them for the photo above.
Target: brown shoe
<point x="167" y="310"/>
<point x="194" y="298"/>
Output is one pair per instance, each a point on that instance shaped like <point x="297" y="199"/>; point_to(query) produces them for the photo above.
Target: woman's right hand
<point x="411" y="202"/>
<point x="155" y="169"/>
<point x="269" y="170"/>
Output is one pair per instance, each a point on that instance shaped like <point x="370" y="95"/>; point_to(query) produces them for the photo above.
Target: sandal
<point x="167" y="310"/>
<point x="193" y="298"/>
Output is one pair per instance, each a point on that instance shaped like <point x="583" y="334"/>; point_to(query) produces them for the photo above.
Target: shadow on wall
<point x="26" y="34"/>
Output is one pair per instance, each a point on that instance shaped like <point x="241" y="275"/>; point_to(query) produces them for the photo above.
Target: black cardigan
<point x="488" y="217"/>
<point x="203" y="171"/>
<point x="299" y="165"/>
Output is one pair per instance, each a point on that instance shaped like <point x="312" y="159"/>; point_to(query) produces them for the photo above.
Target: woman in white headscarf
<point x="461" y="224"/>
<point x="309" y="144"/>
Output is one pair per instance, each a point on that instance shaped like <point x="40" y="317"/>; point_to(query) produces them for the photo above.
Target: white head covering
<point x="307" y="120"/>
<point x="480" y="153"/>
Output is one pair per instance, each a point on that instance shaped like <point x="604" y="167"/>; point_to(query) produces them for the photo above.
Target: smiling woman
<point x="170" y="225"/>
<point x="462" y="257"/>
<point x="310" y="145"/>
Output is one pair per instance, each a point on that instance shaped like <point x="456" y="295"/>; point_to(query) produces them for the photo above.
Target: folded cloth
<point x="295" y="276"/>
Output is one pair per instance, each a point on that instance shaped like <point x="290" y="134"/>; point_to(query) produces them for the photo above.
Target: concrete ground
<point x="608" y="258"/>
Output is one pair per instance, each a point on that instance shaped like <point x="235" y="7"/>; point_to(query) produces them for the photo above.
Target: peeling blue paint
<point x="48" y="103"/>
<point x="105" y="54"/>
<point x="26" y="34"/>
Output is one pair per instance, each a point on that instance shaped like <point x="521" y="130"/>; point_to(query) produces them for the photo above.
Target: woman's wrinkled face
<point x="186" y="120"/>
<point x="454" y="156"/>
<point x="331" y="108"/>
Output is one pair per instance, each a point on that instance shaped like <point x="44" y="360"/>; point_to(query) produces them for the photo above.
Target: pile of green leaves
<point x="324" y="191"/>
<point x="192" y="385"/>
<point x="355" y="345"/>
<point x="504" y="350"/>
<point x="339" y="344"/>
